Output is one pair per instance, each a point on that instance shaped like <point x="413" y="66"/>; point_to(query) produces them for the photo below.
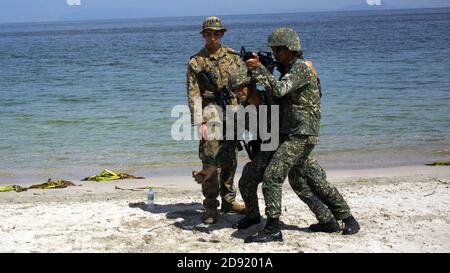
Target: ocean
<point x="78" y="97"/>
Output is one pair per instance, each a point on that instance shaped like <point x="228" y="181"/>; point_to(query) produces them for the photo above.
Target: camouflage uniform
<point x="310" y="184"/>
<point x="300" y="112"/>
<point x="219" y="64"/>
<point x="308" y="181"/>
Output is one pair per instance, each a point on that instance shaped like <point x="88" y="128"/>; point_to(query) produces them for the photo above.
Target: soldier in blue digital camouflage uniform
<point x="308" y="181"/>
<point x="298" y="91"/>
<point x="303" y="180"/>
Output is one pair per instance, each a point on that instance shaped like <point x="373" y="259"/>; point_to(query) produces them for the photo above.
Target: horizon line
<point x="203" y="15"/>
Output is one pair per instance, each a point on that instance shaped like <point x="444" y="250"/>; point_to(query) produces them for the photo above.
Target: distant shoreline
<point x="223" y="15"/>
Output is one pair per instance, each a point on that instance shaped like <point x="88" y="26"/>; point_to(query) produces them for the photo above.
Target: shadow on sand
<point x="244" y="233"/>
<point x="188" y="216"/>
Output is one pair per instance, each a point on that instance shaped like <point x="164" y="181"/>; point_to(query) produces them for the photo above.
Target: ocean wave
<point x="76" y="100"/>
<point x="63" y="122"/>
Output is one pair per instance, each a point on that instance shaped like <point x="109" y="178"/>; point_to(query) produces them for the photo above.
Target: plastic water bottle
<point x="150" y="198"/>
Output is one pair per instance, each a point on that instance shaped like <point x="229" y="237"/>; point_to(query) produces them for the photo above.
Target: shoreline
<point x="185" y="171"/>
<point x="341" y="161"/>
<point x="181" y="176"/>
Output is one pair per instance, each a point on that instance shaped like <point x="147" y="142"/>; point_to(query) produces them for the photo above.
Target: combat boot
<point x="210" y="216"/>
<point x="247" y="222"/>
<point x="234" y="206"/>
<point x="351" y="226"/>
<point x="329" y="227"/>
<point x="270" y="233"/>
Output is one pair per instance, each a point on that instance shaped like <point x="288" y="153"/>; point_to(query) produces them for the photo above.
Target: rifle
<point x="223" y="98"/>
<point x="265" y="58"/>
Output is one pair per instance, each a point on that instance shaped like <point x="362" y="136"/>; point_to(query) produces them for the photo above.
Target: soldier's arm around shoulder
<point x="193" y="92"/>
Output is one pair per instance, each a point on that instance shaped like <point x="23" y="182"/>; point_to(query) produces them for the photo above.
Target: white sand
<point x="403" y="209"/>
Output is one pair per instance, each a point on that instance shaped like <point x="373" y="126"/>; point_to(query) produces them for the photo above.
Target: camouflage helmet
<point x="238" y="79"/>
<point x="213" y="23"/>
<point x="285" y="37"/>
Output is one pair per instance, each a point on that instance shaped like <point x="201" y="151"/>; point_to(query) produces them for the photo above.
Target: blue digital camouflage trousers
<point x="310" y="183"/>
<point x="307" y="178"/>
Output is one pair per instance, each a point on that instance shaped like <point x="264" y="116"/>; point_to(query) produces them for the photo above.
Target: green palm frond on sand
<point x="108" y="175"/>
<point x="439" y="163"/>
<point x="12" y="188"/>
<point x="57" y="184"/>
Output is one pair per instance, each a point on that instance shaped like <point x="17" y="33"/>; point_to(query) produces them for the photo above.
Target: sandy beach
<point x="401" y="209"/>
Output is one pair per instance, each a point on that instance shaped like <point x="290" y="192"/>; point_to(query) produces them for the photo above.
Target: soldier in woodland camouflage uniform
<point x="299" y="93"/>
<point x="219" y="62"/>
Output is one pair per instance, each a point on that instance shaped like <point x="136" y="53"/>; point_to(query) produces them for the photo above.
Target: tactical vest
<point x="220" y="65"/>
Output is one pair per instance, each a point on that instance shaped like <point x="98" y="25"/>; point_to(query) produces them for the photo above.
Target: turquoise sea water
<point x="83" y="96"/>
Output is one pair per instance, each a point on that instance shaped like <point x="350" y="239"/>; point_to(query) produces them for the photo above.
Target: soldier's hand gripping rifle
<point x="265" y="58"/>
